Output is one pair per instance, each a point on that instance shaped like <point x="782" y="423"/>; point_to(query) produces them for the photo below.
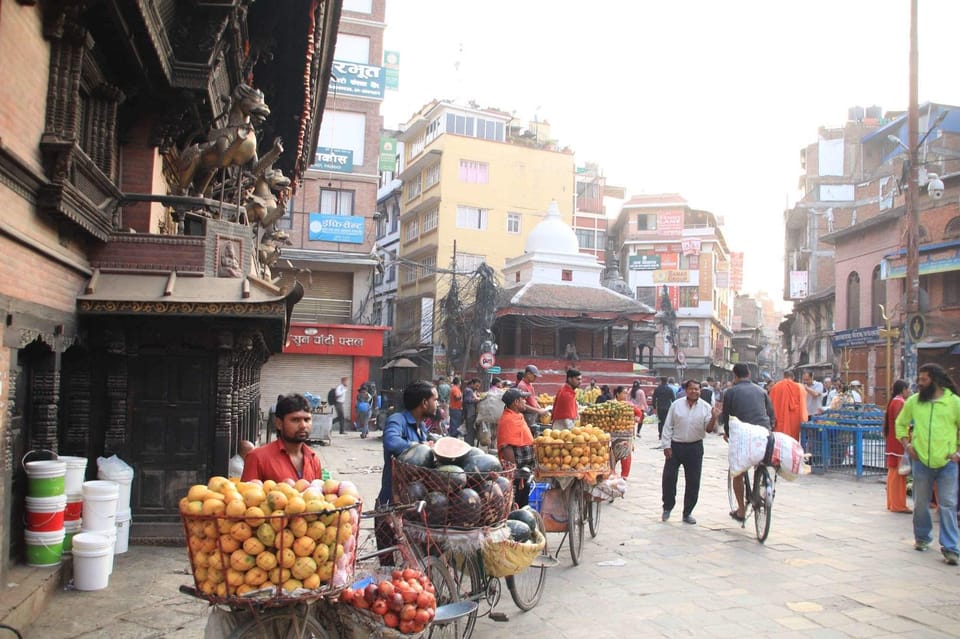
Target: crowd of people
<point x="924" y="427"/>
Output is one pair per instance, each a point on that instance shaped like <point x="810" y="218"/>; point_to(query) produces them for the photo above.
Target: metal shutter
<point x="316" y="374"/>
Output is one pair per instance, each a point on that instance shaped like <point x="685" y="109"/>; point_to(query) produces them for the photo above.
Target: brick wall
<point x="24" y="60"/>
<point x="138" y="174"/>
<point x="28" y="275"/>
<point x="150" y="252"/>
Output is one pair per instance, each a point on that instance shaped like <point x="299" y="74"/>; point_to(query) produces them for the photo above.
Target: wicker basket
<point x="503" y="557"/>
<point x="210" y="541"/>
<point x="363" y="624"/>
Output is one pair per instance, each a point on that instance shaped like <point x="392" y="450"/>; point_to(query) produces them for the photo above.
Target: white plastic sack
<point x="113" y="468"/>
<point x="489" y="409"/>
<point x="609" y="488"/>
<point x="748" y="444"/>
<point x="788" y="454"/>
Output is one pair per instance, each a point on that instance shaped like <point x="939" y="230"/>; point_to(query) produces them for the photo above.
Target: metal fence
<point x="850" y="450"/>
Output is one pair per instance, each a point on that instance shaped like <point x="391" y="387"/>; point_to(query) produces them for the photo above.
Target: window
<point x="431" y="176"/>
<point x="411" y="230"/>
<point x="951" y="289"/>
<point x="590" y="190"/>
<point x="489" y="130"/>
<point x="469" y="262"/>
<point x="853" y="300"/>
<point x="690" y="262"/>
<point x="430" y="219"/>
<point x="286" y="222"/>
<point x="471" y="217"/>
<point x="391" y="266"/>
<point x="878" y="296"/>
<point x="586" y="238"/>
<point x="344" y="130"/>
<point x="952" y="230"/>
<point x="428" y="266"/>
<point x="334" y="202"/>
<point x="352" y="48"/>
<point x="646" y="222"/>
<point x="688" y="336"/>
<point x="513" y="223"/>
<point x="474" y="172"/>
<point x="689" y="296"/>
<point x="647" y="295"/>
<point x="413" y="187"/>
<point x="410" y="273"/>
<point x="357" y="6"/>
<point x="566" y="275"/>
<point x="459" y="124"/>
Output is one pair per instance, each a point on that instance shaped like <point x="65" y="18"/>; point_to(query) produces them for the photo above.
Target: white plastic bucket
<point x="45" y="514"/>
<point x="76" y="471"/>
<point x="111" y="536"/>
<point x="124" y="481"/>
<point x="100" y="505"/>
<point x="92" y="558"/>
<point x="43" y="548"/>
<point x="70" y="528"/>
<point x="45" y="478"/>
<point x="123" y="532"/>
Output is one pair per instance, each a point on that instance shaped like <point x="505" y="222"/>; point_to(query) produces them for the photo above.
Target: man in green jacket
<point x="934" y="414"/>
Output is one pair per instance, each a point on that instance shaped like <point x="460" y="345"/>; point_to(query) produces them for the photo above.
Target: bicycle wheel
<point x="285" y="623"/>
<point x="762" y="501"/>
<point x="526" y="587"/>
<point x="592" y="513"/>
<point x="463" y="581"/>
<point x="575" y="520"/>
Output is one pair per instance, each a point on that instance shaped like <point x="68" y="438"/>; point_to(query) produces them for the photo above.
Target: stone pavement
<point x="836" y="565"/>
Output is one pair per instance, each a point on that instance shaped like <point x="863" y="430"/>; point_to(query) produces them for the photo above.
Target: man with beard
<point x="934" y="412"/>
<point x="289" y="456"/>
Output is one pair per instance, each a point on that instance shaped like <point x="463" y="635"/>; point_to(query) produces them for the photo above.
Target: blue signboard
<point x="856" y="337"/>
<point x="338" y="160"/>
<point x="353" y="78"/>
<point x="336" y="228"/>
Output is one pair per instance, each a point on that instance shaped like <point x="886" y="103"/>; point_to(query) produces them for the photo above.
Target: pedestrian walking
<point x="934" y="412"/>
<point x="339" y="405"/>
<point x="789" y="405"/>
<point x="471" y="396"/>
<point x="663" y="398"/>
<point x="688" y="422"/>
<point x="896" y="483"/>
<point x="363" y="411"/>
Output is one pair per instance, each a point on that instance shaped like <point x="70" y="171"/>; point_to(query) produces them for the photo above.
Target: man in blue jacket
<point x="405" y="428"/>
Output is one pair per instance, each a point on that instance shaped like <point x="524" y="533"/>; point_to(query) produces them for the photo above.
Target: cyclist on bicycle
<point x="749" y="403"/>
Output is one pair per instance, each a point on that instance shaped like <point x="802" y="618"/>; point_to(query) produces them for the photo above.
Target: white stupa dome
<point x="552" y="235"/>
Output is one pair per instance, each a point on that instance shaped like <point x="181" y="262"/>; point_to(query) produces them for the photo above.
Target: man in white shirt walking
<point x="688" y="422"/>
<point x="814" y="390"/>
<point x="340" y="404"/>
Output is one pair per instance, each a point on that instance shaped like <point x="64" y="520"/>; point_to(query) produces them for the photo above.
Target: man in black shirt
<point x="663" y="397"/>
<point x="749" y="403"/>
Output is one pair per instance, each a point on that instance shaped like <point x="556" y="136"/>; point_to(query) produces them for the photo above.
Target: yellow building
<point x="474" y="183"/>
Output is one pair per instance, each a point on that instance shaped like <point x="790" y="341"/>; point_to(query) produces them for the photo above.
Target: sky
<point x="709" y="99"/>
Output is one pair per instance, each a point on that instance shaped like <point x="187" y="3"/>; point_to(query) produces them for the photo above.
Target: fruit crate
<point x="236" y="561"/>
<point x="612" y="416"/>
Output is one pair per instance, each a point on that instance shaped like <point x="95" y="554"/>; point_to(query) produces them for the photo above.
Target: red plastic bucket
<point x="74" y="507"/>
<point x="45" y="514"/>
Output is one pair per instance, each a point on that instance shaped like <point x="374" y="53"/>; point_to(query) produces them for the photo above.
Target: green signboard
<point x="644" y="262"/>
<point x="388" y="154"/>
<point x="391" y="70"/>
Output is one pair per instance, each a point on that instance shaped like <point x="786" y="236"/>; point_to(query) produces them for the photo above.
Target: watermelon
<point x="437" y="508"/>
<point x="416" y="491"/>
<point x="454" y="475"/>
<point x="482" y="464"/>
<point x="448" y="450"/>
<point x="474" y="451"/>
<point x="519" y="531"/>
<point x="466" y="508"/>
<point x="418" y="455"/>
<point x="525" y="515"/>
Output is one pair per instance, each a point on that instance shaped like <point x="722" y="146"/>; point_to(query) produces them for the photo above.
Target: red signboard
<point x="670" y="222"/>
<point x="487" y="360"/>
<point x="335" y="339"/>
<point x="736" y="271"/>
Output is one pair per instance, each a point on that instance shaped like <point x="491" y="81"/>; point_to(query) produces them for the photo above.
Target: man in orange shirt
<point x="288" y="456"/>
<point x="515" y="442"/>
<point x="789" y="405"/>
<point x="456" y="408"/>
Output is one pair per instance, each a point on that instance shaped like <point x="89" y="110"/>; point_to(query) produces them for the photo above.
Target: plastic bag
<point x="906" y="465"/>
<point x="113" y="467"/>
<point x="788" y="455"/>
<point x="748" y="445"/>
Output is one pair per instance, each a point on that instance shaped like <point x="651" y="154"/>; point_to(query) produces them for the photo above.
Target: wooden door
<point x="170" y="430"/>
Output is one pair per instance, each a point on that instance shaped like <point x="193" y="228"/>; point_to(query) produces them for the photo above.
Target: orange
<point x="295" y="505"/>
<point x="253" y="546"/>
<point x="277" y="500"/>
<point x="303" y="546"/>
<point x="255" y="516"/>
<point x="254" y="496"/>
<point x="236" y="508"/>
<point x="241" y="531"/>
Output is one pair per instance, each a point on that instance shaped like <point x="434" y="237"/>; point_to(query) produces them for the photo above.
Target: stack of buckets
<point x="46" y="502"/>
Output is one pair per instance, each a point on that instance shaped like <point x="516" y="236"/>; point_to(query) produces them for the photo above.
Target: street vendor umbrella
<point x="402" y="362"/>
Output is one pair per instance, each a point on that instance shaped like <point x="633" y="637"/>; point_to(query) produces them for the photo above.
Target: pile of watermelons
<point x="462" y="486"/>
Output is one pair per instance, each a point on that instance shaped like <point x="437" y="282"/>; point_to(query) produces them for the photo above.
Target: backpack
<point x="332" y="395"/>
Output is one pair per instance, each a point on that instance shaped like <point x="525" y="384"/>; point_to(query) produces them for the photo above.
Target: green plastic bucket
<point x="46" y="478"/>
<point x="70" y="528"/>
<point x="44" y="548"/>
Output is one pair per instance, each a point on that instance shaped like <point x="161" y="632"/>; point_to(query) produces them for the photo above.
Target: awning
<point x="944" y="344"/>
<point x="180" y="295"/>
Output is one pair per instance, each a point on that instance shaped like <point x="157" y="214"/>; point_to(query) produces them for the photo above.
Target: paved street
<point x="836" y="565"/>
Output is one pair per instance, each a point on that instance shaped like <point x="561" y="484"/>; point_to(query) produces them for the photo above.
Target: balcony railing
<point x="319" y="310"/>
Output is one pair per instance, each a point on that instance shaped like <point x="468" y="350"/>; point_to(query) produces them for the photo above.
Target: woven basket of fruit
<point x="573" y="452"/>
<point x="271" y="542"/>
<point x="503" y="555"/>
<point x="401" y="603"/>
<point x="612" y="416"/>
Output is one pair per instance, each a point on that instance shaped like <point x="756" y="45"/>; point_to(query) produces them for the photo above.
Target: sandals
<point x="734" y="515"/>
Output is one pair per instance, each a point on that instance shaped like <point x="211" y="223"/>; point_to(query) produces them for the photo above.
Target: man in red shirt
<point x="531" y="409"/>
<point x="456" y="408"/>
<point x="515" y="442"/>
<point x="289" y="456"/>
<point x="565" y="411"/>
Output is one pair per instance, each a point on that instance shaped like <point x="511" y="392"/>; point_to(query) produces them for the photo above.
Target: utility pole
<point x="913" y="213"/>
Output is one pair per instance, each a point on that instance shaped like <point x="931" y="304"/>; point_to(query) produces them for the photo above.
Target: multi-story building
<point x="474" y="185"/>
<point x="590" y="214"/>
<point x="677" y="260"/>
<point x="859" y="225"/>
<point x="332" y="225"/>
